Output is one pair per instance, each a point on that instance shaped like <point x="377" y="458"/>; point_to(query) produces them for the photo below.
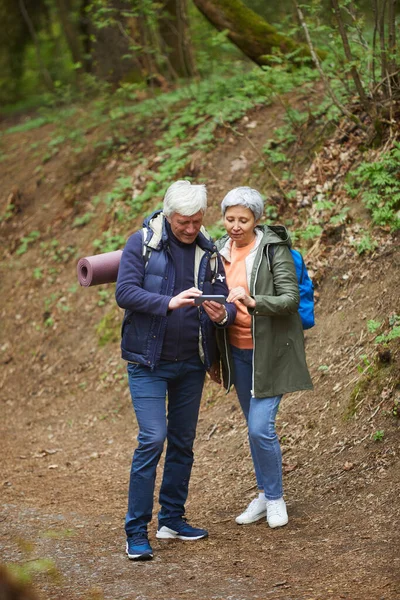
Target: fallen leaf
<point x="238" y="164"/>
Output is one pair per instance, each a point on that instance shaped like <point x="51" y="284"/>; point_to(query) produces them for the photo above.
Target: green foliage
<point x="108" y="330"/>
<point x="28" y="125"/>
<point x="373" y="325"/>
<point x="393" y="333"/>
<point x="311" y="232"/>
<point x="83" y="220"/>
<point x="340" y="217"/>
<point x="366" y="244"/>
<point x="216" y="230"/>
<point x="378" y="435"/>
<point x="53" y="251"/>
<point x="378" y="183"/>
<point x="396" y="408"/>
<point x="109" y="242"/>
<point x="104" y="297"/>
<point x="24" y="573"/>
<point x="26" y="241"/>
<point x="38" y="273"/>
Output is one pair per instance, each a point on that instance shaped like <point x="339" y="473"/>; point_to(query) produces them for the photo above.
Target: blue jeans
<point x="260" y="414"/>
<point x="183" y="383"/>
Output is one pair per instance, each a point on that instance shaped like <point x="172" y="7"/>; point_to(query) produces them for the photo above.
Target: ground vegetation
<point x="78" y="174"/>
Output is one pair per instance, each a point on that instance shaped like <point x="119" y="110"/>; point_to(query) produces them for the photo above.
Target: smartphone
<point x="200" y="299"/>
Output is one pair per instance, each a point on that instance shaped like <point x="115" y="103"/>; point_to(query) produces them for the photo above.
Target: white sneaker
<point x="276" y="513"/>
<point x="257" y="509"/>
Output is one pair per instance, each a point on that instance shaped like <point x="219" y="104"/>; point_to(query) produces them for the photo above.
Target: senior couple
<point x="170" y="341"/>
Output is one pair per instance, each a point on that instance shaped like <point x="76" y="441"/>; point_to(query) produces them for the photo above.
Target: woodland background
<point x="102" y="105"/>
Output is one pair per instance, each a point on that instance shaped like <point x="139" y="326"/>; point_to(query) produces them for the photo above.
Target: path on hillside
<point x="67" y="429"/>
<point x="66" y="459"/>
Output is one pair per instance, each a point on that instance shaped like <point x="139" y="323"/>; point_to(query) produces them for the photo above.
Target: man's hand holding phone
<point x="214" y="307"/>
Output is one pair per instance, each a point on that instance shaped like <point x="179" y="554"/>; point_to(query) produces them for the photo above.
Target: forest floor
<point x="67" y="428"/>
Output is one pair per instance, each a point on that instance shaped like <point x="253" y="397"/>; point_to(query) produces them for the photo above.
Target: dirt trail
<point x="67" y="433"/>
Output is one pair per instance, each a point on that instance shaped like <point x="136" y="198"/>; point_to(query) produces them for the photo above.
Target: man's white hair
<point x="247" y="197"/>
<point x="184" y="198"/>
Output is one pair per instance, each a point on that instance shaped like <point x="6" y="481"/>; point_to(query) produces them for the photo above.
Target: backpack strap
<point x="146" y="251"/>
<point x="269" y="251"/>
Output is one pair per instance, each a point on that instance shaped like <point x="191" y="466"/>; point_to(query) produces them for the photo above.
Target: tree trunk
<point x="70" y="31"/>
<point x="255" y="37"/>
<point x="45" y="74"/>
<point x="84" y="29"/>
<point x="173" y="28"/>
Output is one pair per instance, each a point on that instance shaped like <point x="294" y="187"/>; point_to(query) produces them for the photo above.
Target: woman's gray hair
<point x="244" y="196"/>
<point x="184" y="198"/>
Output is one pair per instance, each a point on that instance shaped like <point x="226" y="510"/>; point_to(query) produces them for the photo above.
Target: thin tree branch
<point x="392" y="35"/>
<point x="325" y="80"/>
<point x="45" y="74"/>
<point x="381" y="21"/>
<point x="353" y="70"/>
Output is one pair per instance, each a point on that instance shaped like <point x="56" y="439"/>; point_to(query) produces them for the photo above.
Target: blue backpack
<point x="306" y="288"/>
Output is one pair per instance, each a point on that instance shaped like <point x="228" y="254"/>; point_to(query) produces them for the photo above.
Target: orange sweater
<point x="240" y="331"/>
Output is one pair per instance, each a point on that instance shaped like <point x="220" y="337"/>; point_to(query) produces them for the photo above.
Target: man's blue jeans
<point x="260" y="414"/>
<point x="183" y="383"/>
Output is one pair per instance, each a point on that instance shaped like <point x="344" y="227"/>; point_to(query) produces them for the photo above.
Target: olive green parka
<point x="279" y="361"/>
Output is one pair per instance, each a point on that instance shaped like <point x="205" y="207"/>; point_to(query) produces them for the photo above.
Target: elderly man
<point x="168" y="340"/>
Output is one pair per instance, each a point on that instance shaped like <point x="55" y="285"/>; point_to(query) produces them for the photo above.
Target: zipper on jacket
<point x="163" y="324"/>
<point x="253" y="326"/>
<point x="227" y="360"/>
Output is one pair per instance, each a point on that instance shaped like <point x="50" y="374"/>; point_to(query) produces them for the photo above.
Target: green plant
<point x="108" y="330"/>
<point x="83" y="220"/>
<point x="366" y="366"/>
<point x="393" y="334"/>
<point x="396" y="409"/>
<point x="373" y="326"/>
<point x="379" y="185"/>
<point x="340" y="217"/>
<point x="216" y="230"/>
<point x="28" y="125"/>
<point x="109" y="242"/>
<point x="57" y="253"/>
<point x="26" y="241"/>
<point x="365" y="244"/>
<point x="378" y="435"/>
<point x="104" y="297"/>
<point x="312" y="231"/>
<point x="49" y="322"/>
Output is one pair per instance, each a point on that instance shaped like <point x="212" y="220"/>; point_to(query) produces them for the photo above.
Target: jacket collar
<point x="158" y="234"/>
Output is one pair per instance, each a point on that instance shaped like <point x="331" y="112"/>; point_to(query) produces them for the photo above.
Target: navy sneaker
<point x="179" y="529"/>
<point x="138" y="547"/>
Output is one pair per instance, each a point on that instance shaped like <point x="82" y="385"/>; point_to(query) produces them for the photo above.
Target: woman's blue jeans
<point x="260" y="414"/>
<point x="182" y="382"/>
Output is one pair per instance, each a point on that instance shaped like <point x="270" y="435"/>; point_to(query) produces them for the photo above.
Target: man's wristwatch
<point x="224" y="320"/>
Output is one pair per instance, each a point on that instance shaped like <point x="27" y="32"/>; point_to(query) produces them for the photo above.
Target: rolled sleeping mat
<point x="98" y="269"/>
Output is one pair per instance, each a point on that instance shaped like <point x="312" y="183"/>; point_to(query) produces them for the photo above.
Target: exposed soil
<point x="68" y="429"/>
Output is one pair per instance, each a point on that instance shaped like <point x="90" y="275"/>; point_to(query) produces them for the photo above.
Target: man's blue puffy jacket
<point x="145" y="287"/>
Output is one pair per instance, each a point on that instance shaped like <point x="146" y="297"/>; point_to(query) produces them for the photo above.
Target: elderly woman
<point x="262" y="352"/>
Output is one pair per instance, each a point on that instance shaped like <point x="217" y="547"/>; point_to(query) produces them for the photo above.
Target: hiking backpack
<point x="306" y="287"/>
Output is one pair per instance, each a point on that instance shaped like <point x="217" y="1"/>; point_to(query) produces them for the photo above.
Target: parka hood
<point x="275" y="234"/>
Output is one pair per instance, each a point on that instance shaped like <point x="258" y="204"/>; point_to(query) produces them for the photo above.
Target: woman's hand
<point x="215" y="372"/>
<point x="239" y="294"/>
<point x="185" y="298"/>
